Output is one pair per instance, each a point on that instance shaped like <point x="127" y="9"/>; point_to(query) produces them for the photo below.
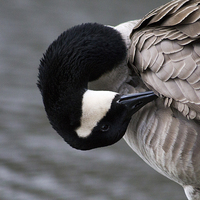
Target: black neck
<point x="79" y="55"/>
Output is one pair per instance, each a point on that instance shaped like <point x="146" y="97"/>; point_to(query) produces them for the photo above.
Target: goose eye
<point x="105" y="127"/>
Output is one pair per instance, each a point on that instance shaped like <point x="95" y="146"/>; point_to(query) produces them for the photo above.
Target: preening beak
<point x="136" y="101"/>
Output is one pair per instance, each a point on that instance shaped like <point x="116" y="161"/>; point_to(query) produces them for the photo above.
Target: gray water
<point x="35" y="163"/>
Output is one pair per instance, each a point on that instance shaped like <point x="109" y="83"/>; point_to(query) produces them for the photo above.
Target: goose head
<point x="86" y="119"/>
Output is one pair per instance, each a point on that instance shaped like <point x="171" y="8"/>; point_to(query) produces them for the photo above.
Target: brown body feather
<point x="165" y="52"/>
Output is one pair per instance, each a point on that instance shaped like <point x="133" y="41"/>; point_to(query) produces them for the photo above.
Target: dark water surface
<point x="35" y="164"/>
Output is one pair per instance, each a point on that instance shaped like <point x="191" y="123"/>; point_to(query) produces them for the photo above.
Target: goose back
<point x="165" y="51"/>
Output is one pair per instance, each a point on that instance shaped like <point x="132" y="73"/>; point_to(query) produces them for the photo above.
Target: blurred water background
<point x="35" y="163"/>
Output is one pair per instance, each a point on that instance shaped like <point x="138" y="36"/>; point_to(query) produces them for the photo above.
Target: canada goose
<point x="120" y="65"/>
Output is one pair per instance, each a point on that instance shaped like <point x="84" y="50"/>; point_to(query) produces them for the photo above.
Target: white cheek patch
<point x="95" y="105"/>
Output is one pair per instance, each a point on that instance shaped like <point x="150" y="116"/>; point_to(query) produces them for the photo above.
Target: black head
<point x="102" y="127"/>
<point x="105" y="118"/>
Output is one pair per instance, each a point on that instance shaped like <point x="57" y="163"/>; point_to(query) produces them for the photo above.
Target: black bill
<point x="136" y="101"/>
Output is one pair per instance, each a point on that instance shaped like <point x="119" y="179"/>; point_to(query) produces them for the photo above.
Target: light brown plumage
<point x="165" y="53"/>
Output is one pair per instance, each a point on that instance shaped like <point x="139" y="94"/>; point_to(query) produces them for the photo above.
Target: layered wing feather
<point x="165" y="51"/>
